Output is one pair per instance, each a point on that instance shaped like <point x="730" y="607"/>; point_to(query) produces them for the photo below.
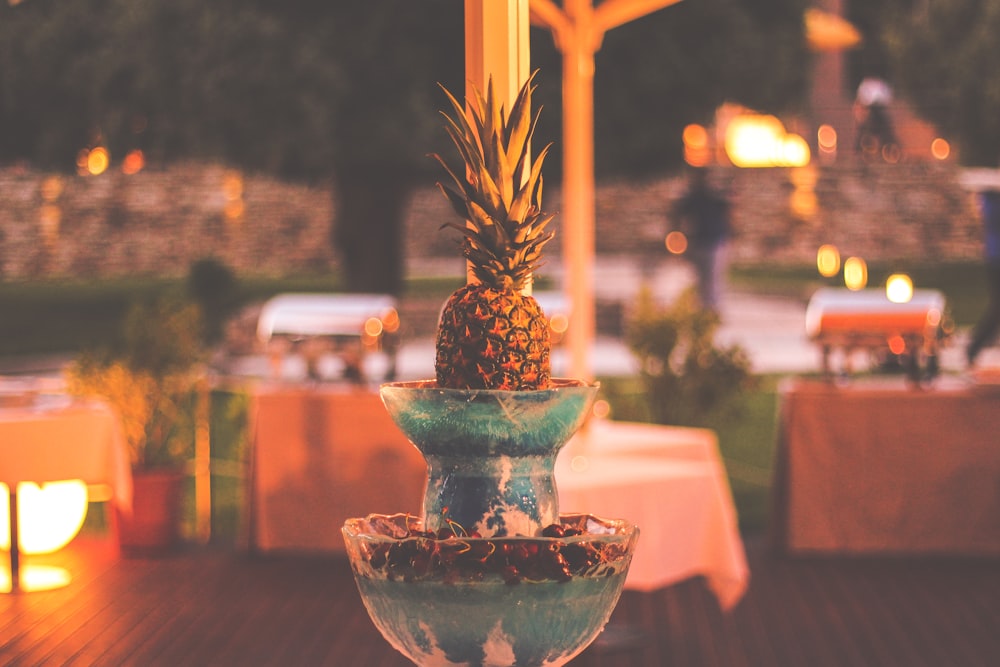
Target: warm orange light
<point x="98" y="160"/>
<point x="676" y="243"/>
<point x="899" y="288"/>
<point x="695" y="136"/>
<point x="696" y="151"/>
<point x="373" y="327"/>
<point x="803" y="203"/>
<point x="855" y="273"/>
<point x="794" y="151"/>
<point x="828" y="260"/>
<point x="232" y="185"/>
<point x="897" y="345"/>
<point x="48" y="517"/>
<point x="390" y="321"/>
<point x="234" y="210"/>
<point x="826" y="139"/>
<point x="940" y="149"/>
<point x="133" y="162"/>
<point x="49" y="220"/>
<point x="757" y="140"/>
<point x="601" y="409"/>
<point x="81" y="161"/>
<point x="51" y="188"/>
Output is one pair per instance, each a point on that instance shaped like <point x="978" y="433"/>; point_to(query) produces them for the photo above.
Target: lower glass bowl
<point x="448" y="598"/>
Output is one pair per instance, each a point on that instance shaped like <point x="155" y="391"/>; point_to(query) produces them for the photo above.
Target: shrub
<point x="687" y="377"/>
<point x="151" y="383"/>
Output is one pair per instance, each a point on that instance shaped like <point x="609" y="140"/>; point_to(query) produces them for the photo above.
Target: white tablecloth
<point x="677" y="493"/>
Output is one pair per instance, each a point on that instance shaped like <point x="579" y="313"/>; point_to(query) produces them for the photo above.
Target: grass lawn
<point x="747" y="437"/>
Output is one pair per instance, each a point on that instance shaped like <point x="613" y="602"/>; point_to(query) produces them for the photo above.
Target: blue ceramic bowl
<point x="493" y="602"/>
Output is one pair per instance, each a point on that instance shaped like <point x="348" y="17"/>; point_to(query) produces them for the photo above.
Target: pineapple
<point x="492" y="335"/>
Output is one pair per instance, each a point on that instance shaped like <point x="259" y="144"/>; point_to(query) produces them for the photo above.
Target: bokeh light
<point x="98" y="160"/>
<point x="133" y="163"/>
<point x="758" y="140"/>
<point x="828" y="260"/>
<point x="899" y="288"/>
<point x="696" y="149"/>
<point x="940" y="149"/>
<point x="826" y="139"/>
<point x="676" y="243"/>
<point x="855" y="273"/>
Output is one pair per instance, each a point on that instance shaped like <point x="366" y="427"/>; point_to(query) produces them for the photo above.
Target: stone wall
<point x="158" y="222"/>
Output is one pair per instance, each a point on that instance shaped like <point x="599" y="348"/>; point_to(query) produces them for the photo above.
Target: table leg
<point x="15" y="553"/>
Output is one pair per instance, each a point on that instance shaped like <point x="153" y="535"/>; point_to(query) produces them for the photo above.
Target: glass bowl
<point x="448" y="598"/>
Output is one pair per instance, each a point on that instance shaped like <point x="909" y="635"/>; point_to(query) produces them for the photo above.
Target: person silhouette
<point x="703" y="215"/>
<point x="989" y="323"/>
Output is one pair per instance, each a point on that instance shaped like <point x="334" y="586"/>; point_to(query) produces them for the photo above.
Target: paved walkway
<point x="771" y="329"/>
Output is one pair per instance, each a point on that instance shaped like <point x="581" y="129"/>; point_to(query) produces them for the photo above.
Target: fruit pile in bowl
<point x="448" y="598"/>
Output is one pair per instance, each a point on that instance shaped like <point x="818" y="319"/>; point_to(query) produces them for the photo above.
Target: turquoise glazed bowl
<point x="489" y="602"/>
<point x="490" y="453"/>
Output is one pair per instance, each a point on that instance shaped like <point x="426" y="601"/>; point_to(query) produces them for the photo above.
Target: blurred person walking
<point x="989" y="324"/>
<point x="702" y="215"/>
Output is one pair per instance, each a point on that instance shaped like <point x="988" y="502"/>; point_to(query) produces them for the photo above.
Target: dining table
<point x="881" y="466"/>
<point x="322" y="453"/>
<point x="671" y="483"/>
<point x="51" y="437"/>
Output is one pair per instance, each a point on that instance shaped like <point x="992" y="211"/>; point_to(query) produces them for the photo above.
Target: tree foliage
<point x="944" y="59"/>
<point x="346" y="92"/>
<point x="675" y="66"/>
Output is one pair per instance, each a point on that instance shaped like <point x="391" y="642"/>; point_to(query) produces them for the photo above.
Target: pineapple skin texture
<point x="490" y="338"/>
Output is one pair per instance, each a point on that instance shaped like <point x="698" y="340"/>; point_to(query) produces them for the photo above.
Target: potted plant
<point x="151" y="383"/>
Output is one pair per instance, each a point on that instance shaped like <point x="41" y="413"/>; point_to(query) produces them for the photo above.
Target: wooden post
<point x="496" y="44"/>
<point x="578" y="29"/>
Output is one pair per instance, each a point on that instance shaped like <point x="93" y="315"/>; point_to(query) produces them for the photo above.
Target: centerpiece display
<point x="492" y="573"/>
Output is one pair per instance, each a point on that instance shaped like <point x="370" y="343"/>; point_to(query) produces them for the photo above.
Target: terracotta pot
<point x="154" y="524"/>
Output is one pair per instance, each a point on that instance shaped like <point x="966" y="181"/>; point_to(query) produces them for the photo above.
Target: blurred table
<point x="881" y="467"/>
<point x="351" y="325"/>
<point x="671" y="483"/>
<point x="322" y="454"/>
<point x="52" y="438"/>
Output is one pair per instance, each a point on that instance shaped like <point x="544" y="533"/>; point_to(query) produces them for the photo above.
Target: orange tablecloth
<point x="58" y="439"/>
<point x="322" y="455"/>
<point x="888" y="468"/>
<point x="671" y="483"/>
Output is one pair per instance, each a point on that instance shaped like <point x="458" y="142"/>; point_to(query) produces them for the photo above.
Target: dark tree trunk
<point x="368" y="231"/>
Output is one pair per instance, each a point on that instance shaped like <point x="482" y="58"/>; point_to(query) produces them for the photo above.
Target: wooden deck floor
<point x="219" y="607"/>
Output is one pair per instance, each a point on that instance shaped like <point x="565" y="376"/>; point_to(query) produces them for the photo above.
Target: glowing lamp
<point x="828" y="260"/>
<point x="855" y="273"/>
<point x="899" y="288"/>
<point x="48" y="516"/>
<point x="757" y="140"/>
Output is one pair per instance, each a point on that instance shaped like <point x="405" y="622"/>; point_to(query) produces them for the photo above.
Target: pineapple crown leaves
<point x="497" y="194"/>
